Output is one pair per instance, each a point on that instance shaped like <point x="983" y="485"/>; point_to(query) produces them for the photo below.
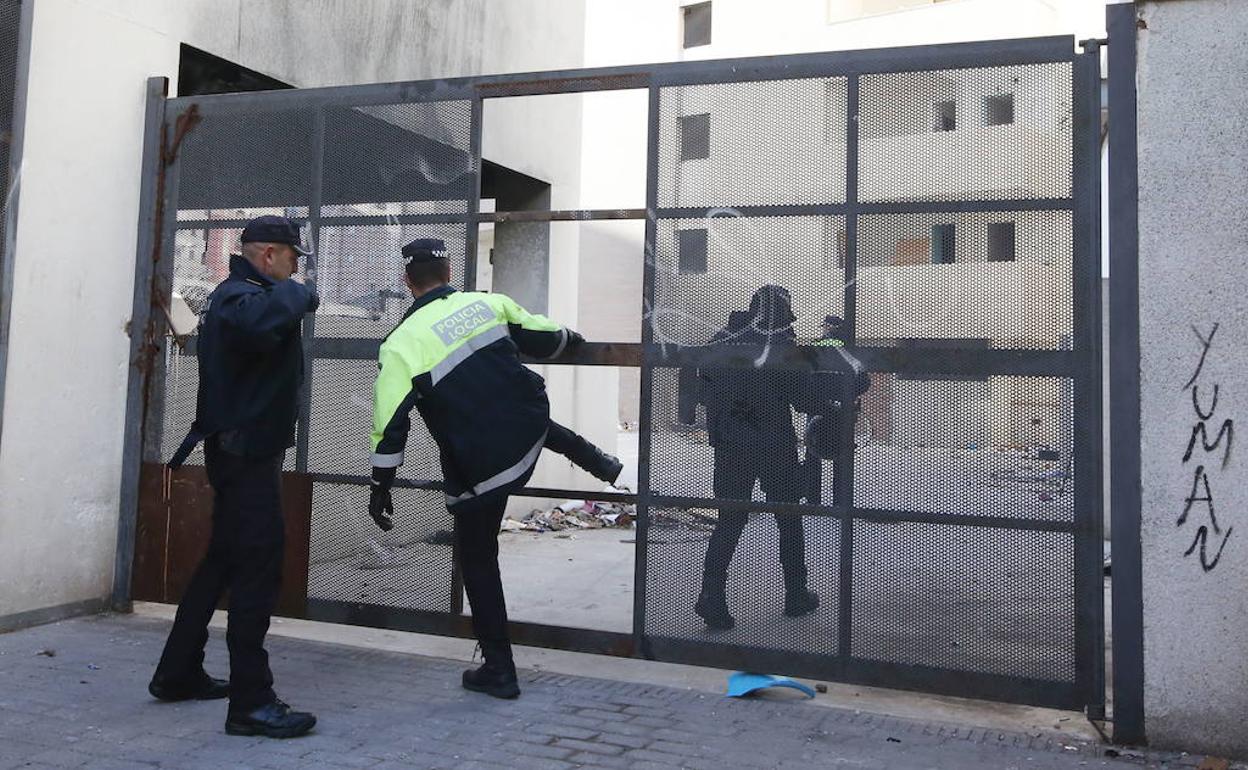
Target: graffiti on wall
<point x="1207" y="452"/>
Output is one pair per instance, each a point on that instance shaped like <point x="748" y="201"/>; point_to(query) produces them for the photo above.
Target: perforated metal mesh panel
<point x="945" y="271"/>
<point x="1003" y="277"/>
<point x="754" y="589"/>
<point x="965" y="598"/>
<point x="773" y="142"/>
<point x="805" y="255"/>
<point x="342" y="417"/>
<point x="398" y="159"/>
<point x="246" y="159"/>
<point x="353" y="561"/>
<point x="359" y="275"/>
<point x="930" y="136"/>
<point x="997" y="446"/>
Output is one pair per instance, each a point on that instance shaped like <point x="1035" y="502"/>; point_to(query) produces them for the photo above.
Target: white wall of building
<point x="60" y="459"/>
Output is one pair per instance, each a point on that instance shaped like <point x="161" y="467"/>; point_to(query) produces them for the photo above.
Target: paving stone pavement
<point x="73" y="694"/>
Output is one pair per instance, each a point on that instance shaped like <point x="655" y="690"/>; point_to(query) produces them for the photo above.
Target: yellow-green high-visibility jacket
<point x="455" y="357"/>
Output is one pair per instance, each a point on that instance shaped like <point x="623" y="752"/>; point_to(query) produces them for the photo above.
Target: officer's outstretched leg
<point x="476" y="534"/>
<point x="580" y="451"/>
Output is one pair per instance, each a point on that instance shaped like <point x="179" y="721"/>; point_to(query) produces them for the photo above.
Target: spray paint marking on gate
<point x="1202" y="490"/>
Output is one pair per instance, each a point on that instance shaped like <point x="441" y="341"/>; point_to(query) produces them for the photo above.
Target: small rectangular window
<point x="1000" y="241"/>
<point x="695" y="136"/>
<point x="691" y="251"/>
<point x="697" y="24"/>
<point x="945" y="116"/>
<point x="999" y="110"/>
<point x="944" y="243"/>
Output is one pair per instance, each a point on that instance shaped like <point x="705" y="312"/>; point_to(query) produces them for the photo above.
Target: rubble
<point x="574" y="514"/>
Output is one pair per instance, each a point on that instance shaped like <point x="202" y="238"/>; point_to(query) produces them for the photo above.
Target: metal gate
<point x="942" y="200"/>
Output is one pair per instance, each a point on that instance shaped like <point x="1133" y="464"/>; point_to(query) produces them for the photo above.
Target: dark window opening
<point x="695" y="136"/>
<point x="691" y="251"/>
<point x="697" y="24"/>
<point x="945" y="116"/>
<point x="1000" y="241"/>
<point x="944" y="245"/>
<point x="200" y="73"/>
<point x="999" y="110"/>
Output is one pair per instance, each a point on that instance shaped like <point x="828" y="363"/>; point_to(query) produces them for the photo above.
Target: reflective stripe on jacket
<point x="455" y="358"/>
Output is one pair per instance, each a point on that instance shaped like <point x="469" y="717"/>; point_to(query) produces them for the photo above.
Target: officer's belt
<point x="193" y="437"/>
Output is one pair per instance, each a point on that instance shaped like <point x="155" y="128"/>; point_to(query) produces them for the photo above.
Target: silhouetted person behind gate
<point x="749" y="418"/>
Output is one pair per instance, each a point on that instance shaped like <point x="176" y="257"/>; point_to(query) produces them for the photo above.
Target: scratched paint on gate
<point x="1199" y="505"/>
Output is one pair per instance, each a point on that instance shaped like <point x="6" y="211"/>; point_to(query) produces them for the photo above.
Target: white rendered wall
<point x="60" y="459"/>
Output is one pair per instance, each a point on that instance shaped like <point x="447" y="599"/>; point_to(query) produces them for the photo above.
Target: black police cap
<point x="424" y="250"/>
<point x="274" y="229"/>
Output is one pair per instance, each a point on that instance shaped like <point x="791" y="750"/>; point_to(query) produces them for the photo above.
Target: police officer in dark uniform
<point x="838" y="385"/>
<point x="455" y="358"/>
<point x="250" y="370"/>
<point x="749" y="417"/>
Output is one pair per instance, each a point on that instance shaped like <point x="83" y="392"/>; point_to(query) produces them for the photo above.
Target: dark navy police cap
<point x="274" y="229"/>
<point x="424" y="250"/>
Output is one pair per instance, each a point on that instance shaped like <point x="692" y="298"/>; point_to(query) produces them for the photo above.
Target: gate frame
<point x="1081" y="365"/>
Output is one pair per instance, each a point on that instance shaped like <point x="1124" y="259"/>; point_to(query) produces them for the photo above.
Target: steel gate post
<point x="843" y="469"/>
<point x="138" y="391"/>
<point x="317" y="172"/>
<point x="1124" y="374"/>
<point x="1088" y="489"/>
<point x="646" y="418"/>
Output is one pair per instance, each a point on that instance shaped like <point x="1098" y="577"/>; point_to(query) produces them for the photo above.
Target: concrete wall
<point x="73" y="283"/>
<point x="1193" y="177"/>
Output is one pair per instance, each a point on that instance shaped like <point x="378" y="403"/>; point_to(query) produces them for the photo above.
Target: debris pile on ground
<point x="574" y="514"/>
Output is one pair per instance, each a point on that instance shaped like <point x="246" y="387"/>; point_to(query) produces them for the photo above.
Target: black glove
<point x="574" y="338"/>
<point x="380" y="503"/>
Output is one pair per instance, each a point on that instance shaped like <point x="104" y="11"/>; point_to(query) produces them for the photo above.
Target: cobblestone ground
<point x="73" y="694"/>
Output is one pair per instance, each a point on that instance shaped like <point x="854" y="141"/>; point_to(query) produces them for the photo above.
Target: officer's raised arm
<point x="260" y="320"/>
<point x="535" y="334"/>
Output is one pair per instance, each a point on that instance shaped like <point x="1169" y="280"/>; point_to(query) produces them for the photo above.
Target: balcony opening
<point x="200" y="73"/>
<point x="697" y="23"/>
<point x="1000" y="241"/>
<point x="945" y="116"/>
<point x="691" y="251"/>
<point x="695" y="136"/>
<point x="999" y="110"/>
<point x="944" y="243"/>
<point x="835" y="247"/>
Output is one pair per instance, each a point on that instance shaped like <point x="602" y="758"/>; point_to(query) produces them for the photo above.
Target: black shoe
<point x="493" y="679"/>
<point x="205" y="688"/>
<point x="596" y="462"/>
<point x="610" y="469"/>
<point x="800" y="603"/>
<point x="273" y="720"/>
<point x="713" y="608"/>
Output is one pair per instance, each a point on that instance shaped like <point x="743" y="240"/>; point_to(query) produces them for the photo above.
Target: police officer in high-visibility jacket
<point x="454" y="357"/>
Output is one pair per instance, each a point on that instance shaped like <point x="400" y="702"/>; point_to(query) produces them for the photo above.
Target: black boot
<point x="712" y="607"/>
<point x="594" y="461"/>
<point x="201" y="687"/>
<point x="497" y="676"/>
<point x="273" y="720"/>
<point x="800" y="602"/>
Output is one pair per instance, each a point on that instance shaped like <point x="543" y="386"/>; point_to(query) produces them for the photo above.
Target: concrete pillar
<point x="1193" y="237"/>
